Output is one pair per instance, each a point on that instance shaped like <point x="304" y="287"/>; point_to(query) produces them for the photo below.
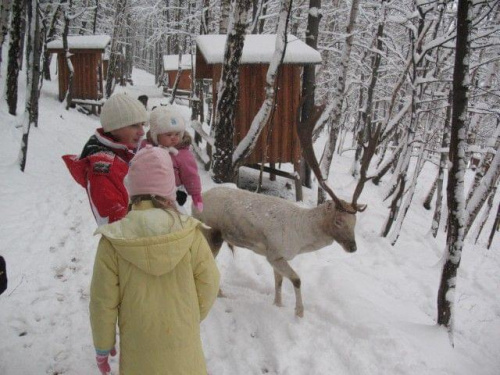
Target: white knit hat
<point x="121" y="110"/>
<point x="164" y="120"/>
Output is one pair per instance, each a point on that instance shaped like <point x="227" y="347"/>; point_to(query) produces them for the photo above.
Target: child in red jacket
<point x="167" y="130"/>
<point x="104" y="161"/>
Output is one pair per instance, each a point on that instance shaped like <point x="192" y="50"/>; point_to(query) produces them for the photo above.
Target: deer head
<point x="305" y="129"/>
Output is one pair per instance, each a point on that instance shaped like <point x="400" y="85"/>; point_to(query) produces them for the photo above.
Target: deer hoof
<point x="299" y="312"/>
<point x="278" y="303"/>
<point x="221" y="294"/>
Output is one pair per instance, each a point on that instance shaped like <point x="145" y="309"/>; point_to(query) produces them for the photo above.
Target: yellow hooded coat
<point x="155" y="274"/>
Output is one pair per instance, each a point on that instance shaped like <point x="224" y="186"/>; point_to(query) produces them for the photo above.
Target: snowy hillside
<point x="367" y="313"/>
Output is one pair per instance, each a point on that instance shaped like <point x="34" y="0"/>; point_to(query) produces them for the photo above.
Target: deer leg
<point x="278" y="281"/>
<point x="283" y="268"/>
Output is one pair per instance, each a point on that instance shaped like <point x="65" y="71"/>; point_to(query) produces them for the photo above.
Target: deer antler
<point x="304" y="130"/>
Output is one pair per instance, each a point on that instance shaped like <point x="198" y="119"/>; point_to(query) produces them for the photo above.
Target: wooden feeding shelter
<point x="284" y="146"/>
<point x="170" y="71"/>
<point x="87" y="59"/>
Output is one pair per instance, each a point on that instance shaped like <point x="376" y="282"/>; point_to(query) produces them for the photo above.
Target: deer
<point x="276" y="228"/>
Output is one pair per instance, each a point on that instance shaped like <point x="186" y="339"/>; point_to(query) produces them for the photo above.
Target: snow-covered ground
<point x="367" y="313"/>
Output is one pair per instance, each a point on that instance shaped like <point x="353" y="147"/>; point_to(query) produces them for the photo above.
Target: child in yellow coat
<point x="155" y="275"/>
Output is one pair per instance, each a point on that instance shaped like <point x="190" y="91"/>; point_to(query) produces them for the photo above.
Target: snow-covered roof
<point x="82" y="42"/>
<point x="258" y="49"/>
<point x="171" y="62"/>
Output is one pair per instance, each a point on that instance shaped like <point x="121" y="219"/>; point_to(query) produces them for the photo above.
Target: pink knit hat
<point x="151" y="172"/>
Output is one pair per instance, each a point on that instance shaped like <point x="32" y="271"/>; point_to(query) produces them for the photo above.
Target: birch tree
<point x="33" y="70"/>
<point x="4" y="22"/>
<point x="436" y="219"/>
<point x="50" y="21"/>
<point x="495" y="227"/>
<point x="309" y="77"/>
<point x="222" y="167"/>
<point x="120" y="14"/>
<point x="68" y="6"/>
<point x="14" y="55"/>
<point x="247" y="144"/>
<point x="225" y="10"/>
<point x="337" y="96"/>
<point x="455" y="188"/>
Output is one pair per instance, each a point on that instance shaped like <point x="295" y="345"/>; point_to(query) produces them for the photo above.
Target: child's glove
<point x="102" y="360"/>
<point x="198" y="202"/>
<point x="180" y="197"/>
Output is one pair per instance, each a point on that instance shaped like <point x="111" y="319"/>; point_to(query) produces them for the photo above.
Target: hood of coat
<point x="152" y="239"/>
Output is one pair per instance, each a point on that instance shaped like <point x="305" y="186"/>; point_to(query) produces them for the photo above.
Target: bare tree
<point x="436" y="219"/>
<point x="33" y="73"/>
<point x="67" y="20"/>
<point x="222" y="168"/>
<point x="259" y="9"/>
<point x="486" y="212"/>
<point x="495" y="227"/>
<point x="120" y="14"/>
<point x="225" y="10"/>
<point x="455" y="188"/>
<point x="50" y="23"/>
<point x="338" y="95"/>
<point x="247" y="144"/>
<point x="4" y="22"/>
<point x="14" y="55"/>
<point x="309" y="77"/>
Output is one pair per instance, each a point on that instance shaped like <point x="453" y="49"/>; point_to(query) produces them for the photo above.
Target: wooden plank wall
<point x="283" y="145"/>
<point x="87" y="80"/>
<point x="184" y="81"/>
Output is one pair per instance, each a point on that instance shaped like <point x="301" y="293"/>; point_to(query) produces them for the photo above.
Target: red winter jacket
<point x="100" y="169"/>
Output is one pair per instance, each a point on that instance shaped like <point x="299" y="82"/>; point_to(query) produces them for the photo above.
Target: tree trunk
<point x="96" y="11"/>
<point x="495" y="228"/>
<point x="309" y="78"/>
<point x="115" y="46"/>
<point x="4" y="22"/>
<point x="442" y="166"/>
<point x="486" y="213"/>
<point x="338" y="98"/>
<point x="33" y="71"/>
<point x="265" y="114"/>
<point x="50" y="32"/>
<point x="259" y="9"/>
<point x="394" y="206"/>
<point x="428" y="199"/>
<point x="484" y="182"/>
<point x="227" y="100"/>
<point x="481" y="193"/>
<point x="484" y="165"/>
<point x="455" y="187"/>
<point x="35" y="40"/>
<point x="129" y="55"/>
<point x="366" y="110"/>
<point x="14" y="55"/>
<point x="225" y="10"/>
<point x="67" y="55"/>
